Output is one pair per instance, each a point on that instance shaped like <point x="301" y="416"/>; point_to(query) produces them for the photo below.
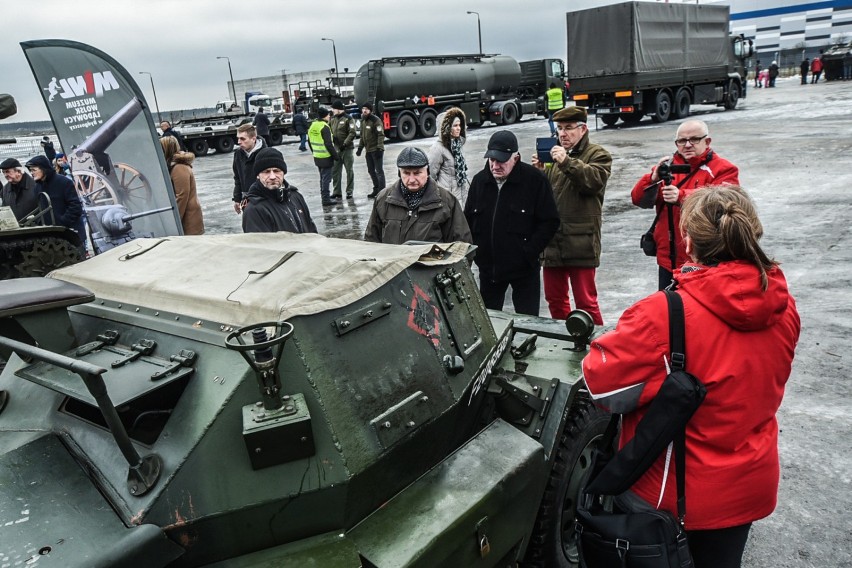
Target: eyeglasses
<point x="569" y="128"/>
<point x="692" y="140"/>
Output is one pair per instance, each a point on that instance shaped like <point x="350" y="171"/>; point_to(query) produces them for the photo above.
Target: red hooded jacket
<point x="739" y="342"/>
<point x="717" y="171"/>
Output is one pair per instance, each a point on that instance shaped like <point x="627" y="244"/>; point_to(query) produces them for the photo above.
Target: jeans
<point x="302" y="139"/>
<point x="325" y="181"/>
<point x="526" y="292"/>
<point x="581" y="280"/>
<point x="347" y="159"/>
<point x="376" y="169"/>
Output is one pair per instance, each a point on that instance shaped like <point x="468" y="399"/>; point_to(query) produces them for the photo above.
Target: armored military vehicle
<point x="299" y="401"/>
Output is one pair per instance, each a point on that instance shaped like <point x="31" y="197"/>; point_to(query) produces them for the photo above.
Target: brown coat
<point x="183" y="181"/>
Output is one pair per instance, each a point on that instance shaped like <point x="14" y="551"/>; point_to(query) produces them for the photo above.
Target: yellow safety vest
<point x="554" y="98"/>
<point x="315" y="138"/>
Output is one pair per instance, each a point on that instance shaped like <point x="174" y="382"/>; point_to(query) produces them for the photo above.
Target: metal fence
<point x="25" y="148"/>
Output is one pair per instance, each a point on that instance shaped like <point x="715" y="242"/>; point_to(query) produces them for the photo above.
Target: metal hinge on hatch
<point x="361" y="317"/>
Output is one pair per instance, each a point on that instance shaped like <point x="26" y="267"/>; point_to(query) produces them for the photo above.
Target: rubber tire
<point x="199" y="147"/>
<point x="428" y="123"/>
<point x="276" y="138"/>
<point x="682" y="103"/>
<point x="609" y="119"/>
<point x="510" y="113"/>
<point x="734" y="91"/>
<point x="224" y="144"/>
<point x="553" y="541"/>
<point x="663" y="107"/>
<point x="406" y="127"/>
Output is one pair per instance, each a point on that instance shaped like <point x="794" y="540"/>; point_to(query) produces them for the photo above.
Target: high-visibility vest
<point x="554" y="98"/>
<point x="315" y="138"/>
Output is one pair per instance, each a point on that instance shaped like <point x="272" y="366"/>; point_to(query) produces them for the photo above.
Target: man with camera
<point x="692" y="166"/>
<point x="578" y="175"/>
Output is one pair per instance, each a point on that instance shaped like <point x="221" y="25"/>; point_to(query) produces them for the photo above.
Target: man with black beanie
<point x="273" y="204"/>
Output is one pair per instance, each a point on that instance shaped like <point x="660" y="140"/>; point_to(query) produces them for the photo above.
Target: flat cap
<point x="10" y="163"/>
<point x="571" y="114"/>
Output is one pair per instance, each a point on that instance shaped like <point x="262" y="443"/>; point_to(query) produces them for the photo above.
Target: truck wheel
<point x="553" y="543"/>
<point x="224" y="144"/>
<point x="406" y="127"/>
<point x="428" y="123"/>
<point x="682" y="103"/>
<point x="276" y="138"/>
<point x="199" y="147"/>
<point x="609" y="119"/>
<point x="663" y="106"/>
<point x="733" y="95"/>
<point x="510" y="113"/>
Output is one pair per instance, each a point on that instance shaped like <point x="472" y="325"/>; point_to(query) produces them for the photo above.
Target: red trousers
<point x="581" y="281"/>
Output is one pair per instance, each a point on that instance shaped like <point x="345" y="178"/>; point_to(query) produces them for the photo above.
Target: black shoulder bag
<point x="615" y="528"/>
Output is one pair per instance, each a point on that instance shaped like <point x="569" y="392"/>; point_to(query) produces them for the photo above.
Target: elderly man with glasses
<point x="700" y="167"/>
<point x="578" y="175"/>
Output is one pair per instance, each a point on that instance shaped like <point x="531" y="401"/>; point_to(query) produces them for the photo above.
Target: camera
<point x="667" y="169"/>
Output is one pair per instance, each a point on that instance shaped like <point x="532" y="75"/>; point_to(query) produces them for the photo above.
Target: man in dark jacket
<point x="512" y="215"/>
<point x="373" y="140"/>
<point x="343" y="135"/>
<point x="300" y="125"/>
<point x="167" y="129"/>
<point x="273" y="204"/>
<point x="244" y="164"/>
<point x="415" y="208"/>
<point x="803" y="69"/>
<point x="67" y="209"/>
<point x="20" y="192"/>
<point x="261" y="124"/>
<point x="578" y="176"/>
<point x="325" y="155"/>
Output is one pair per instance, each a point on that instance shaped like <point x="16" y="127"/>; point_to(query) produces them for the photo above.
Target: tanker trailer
<point x="408" y="93"/>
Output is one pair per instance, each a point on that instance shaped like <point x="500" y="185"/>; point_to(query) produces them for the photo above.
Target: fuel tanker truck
<point x="408" y="93"/>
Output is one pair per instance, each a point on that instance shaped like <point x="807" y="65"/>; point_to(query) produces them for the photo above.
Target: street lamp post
<point x="336" y="68"/>
<point x="231" y="73"/>
<point x="478" y="29"/>
<point x="156" y="104"/>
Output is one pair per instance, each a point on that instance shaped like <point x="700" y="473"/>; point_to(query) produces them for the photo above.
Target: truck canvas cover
<point x="637" y="37"/>
<point x="243" y="279"/>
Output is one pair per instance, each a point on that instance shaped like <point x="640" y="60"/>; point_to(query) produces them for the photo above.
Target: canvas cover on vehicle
<point x="249" y="278"/>
<point x="636" y="37"/>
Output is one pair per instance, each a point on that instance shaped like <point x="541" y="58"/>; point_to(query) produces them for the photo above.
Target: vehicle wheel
<point x="428" y="123"/>
<point x="609" y="119"/>
<point x="510" y="113"/>
<point x="633" y="118"/>
<point x="406" y="127"/>
<point x="553" y="543"/>
<point x="682" y="102"/>
<point x="733" y="95"/>
<point x="224" y="144"/>
<point x="663" y="106"/>
<point x="276" y="138"/>
<point x="199" y="147"/>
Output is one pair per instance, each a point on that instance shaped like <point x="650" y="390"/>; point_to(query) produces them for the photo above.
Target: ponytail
<point x="722" y="225"/>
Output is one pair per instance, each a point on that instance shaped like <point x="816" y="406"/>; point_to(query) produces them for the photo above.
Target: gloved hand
<point x="358" y="151"/>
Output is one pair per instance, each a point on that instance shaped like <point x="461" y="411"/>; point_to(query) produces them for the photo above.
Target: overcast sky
<point x="178" y="42"/>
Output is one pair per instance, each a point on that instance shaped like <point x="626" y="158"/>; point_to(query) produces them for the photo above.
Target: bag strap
<point x="677" y="341"/>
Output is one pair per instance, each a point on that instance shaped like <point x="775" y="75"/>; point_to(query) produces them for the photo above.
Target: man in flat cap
<point x="415" y="208"/>
<point x="512" y="215"/>
<point x="578" y="175"/>
<point x="20" y="192"/>
<point x="273" y="204"/>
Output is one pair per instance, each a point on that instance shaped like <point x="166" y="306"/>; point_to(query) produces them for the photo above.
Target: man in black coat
<point x="20" y="192"/>
<point x="67" y="209"/>
<point x="261" y="123"/>
<point x="273" y="204"/>
<point x="512" y="215"/>
<point x="167" y="129"/>
<point x="300" y="125"/>
<point x="243" y="166"/>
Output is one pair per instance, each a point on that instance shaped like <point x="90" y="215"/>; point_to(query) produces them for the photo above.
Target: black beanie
<point x="269" y="158"/>
<point x="338" y="105"/>
<point x="368" y="106"/>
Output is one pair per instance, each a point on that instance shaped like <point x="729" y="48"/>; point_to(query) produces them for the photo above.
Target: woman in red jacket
<point x="741" y="329"/>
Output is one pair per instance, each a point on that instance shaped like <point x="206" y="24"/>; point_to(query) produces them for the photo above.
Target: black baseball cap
<point x="502" y="145"/>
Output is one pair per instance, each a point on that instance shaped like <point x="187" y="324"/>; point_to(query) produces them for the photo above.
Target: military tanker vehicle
<point x="320" y="402"/>
<point x="408" y="93"/>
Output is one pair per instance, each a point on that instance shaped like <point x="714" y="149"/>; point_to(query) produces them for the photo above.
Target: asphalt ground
<point x="793" y="145"/>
